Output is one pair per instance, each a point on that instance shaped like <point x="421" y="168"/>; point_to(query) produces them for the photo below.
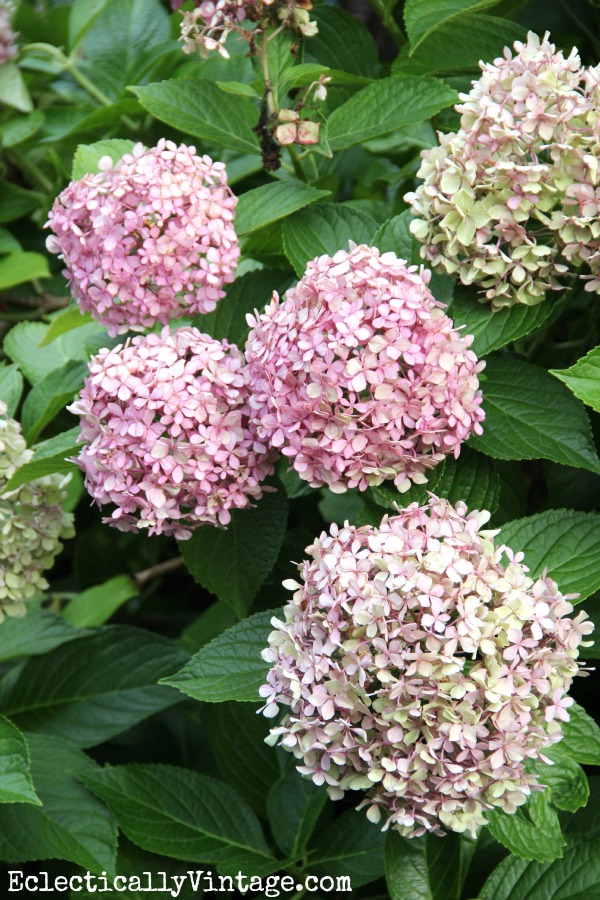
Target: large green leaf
<point x="230" y="667"/>
<point x="581" y="739"/>
<point x="182" y="814"/>
<point x="493" y="330"/>
<point x="565" y="542"/>
<point x="234" y="562"/>
<point x="49" y="457"/>
<point x="37" y="633"/>
<point x="250" y="292"/>
<point x="576" y="876"/>
<point x="471" y="478"/>
<point x="294" y="805"/>
<point x="22" y="345"/>
<point x="350" y="846"/>
<point x="343" y="42"/>
<point x="21" y="266"/>
<point x="11" y="387"/>
<point x="267" y="204"/>
<point x="48" y="397"/>
<point x="385" y="106"/>
<point x="245" y="762"/>
<point x="16" y="785"/>
<point x="534" y="834"/>
<point x="89" y="691"/>
<point x="583" y="378"/>
<point x="565" y="778"/>
<point x="425" y="868"/>
<point x="324" y="229"/>
<point x="72" y="824"/>
<point x="13" y="90"/>
<point x="530" y="415"/>
<point x="199" y="108"/>
<point x="96" y="605"/>
<point x="87" y="157"/>
<point x="123" y="44"/>
<point x="458" y="45"/>
<point x="423" y="17"/>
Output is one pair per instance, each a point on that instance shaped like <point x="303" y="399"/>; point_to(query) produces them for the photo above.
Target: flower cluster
<point x="8" y="46"/>
<point x="209" y="24"/>
<point x="422" y="668"/>
<point x="169" y="437"/>
<point x="359" y="376"/>
<point x="32" y="523"/>
<point x="148" y="239"/>
<point x="510" y="197"/>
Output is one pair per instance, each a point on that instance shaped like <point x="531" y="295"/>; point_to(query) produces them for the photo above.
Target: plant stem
<point x="299" y="171"/>
<point x="143" y="578"/>
<point x="32" y="170"/>
<point x="68" y="64"/>
<point x="387" y="17"/>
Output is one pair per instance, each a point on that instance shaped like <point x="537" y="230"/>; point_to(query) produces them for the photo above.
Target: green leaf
<point x="271" y="202"/>
<point x="566" y="780"/>
<point x="250" y="292"/>
<point x="22" y="345"/>
<point x="123" y="43"/>
<point x="11" y="387"/>
<point x="530" y="415"/>
<point x="565" y="542"/>
<point x="324" y="229"/>
<point x="531" y="834"/>
<point x="246" y="763"/>
<point x="581" y="739"/>
<point x="13" y="90"/>
<point x="83" y="15"/>
<point x="8" y="241"/>
<point x="395" y="236"/>
<point x="201" y="109"/>
<point x="444" y="863"/>
<point x="294" y="806"/>
<point x="233" y="563"/>
<point x="343" y="43"/>
<point x="19" y="267"/>
<point x="230" y="667"/>
<point x="87" y="157"/>
<point x="49" y="457"/>
<point x="16" y="201"/>
<point x="340" y="507"/>
<point x="37" y="633"/>
<point x="88" y="692"/>
<point x="48" y="397"/>
<point x="181" y="813"/>
<point x="385" y="106"/>
<point x="386" y="495"/>
<point x="406" y="872"/>
<point x="72" y="824"/>
<point x="423" y="17"/>
<point x="21" y="128"/>
<point x="583" y="378"/>
<point x="208" y="625"/>
<point x="576" y="876"/>
<point x="493" y="330"/>
<point x="239" y="88"/>
<point x="459" y="45"/>
<point x="587" y="820"/>
<point x="471" y="478"/>
<point x="67" y="320"/>
<point x="96" y="605"/>
<point x="306" y="73"/>
<point x="16" y="785"/>
<point x="350" y="846"/>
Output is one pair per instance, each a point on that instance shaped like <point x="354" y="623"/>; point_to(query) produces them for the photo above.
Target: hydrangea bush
<point x="299" y="448"/>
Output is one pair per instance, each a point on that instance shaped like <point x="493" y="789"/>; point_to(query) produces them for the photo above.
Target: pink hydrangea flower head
<point x="169" y="436"/>
<point x="149" y="239"/>
<point x="420" y="663"/>
<point x="359" y="375"/>
<point x="8" y="40"/>
<point x="491" y="191"/>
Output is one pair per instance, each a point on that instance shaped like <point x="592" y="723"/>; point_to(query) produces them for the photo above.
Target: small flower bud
<point x="286" y="134"/>
<point x="308" y="132"/>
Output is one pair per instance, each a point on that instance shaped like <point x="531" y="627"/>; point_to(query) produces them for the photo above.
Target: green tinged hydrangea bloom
<point x="32" y="523"/>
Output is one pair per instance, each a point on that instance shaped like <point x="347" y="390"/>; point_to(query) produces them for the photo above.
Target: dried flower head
<point x="423" y="667"/>
<point x="32" y="523"/>
<point x="149" y="239"/>
<point x="169" y="437"/>
<point x="8" y="39"/>
<point x="486" y="210"/>
<point x="359" y="376"/>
